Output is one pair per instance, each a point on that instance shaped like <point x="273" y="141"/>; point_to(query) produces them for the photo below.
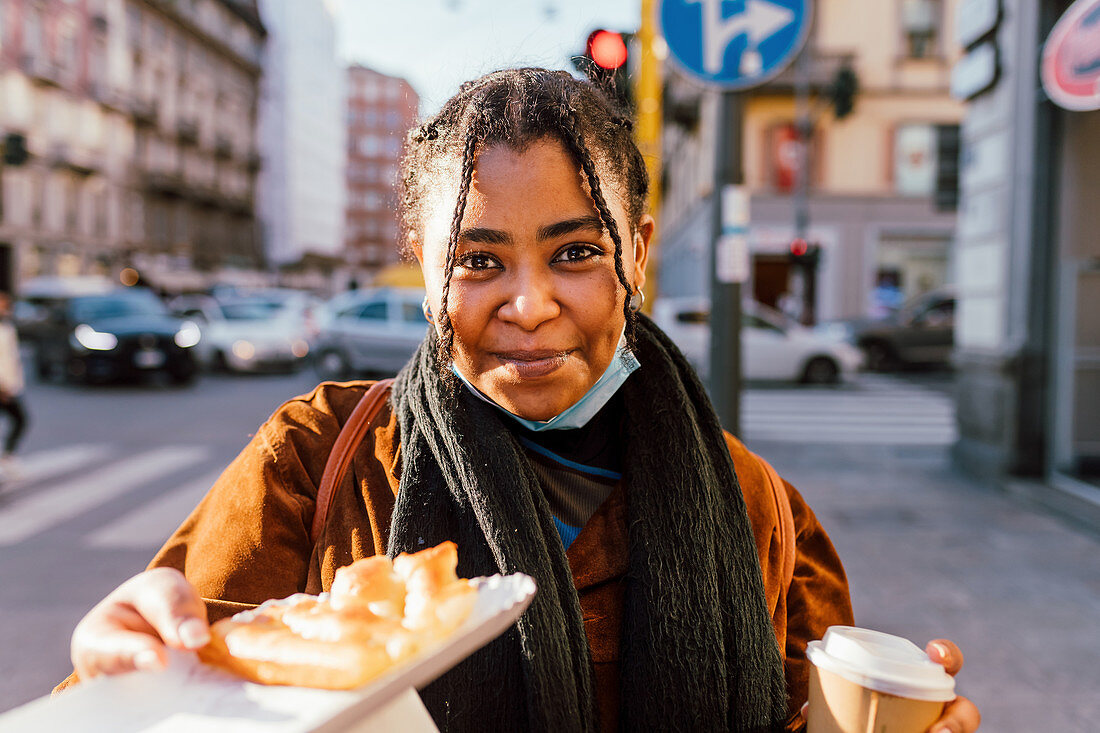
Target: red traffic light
<point x="607" y="49"/>
<point x="799" y="247"/>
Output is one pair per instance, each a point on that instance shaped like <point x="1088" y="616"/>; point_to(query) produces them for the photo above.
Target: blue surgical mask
<point x="622" y="365"/>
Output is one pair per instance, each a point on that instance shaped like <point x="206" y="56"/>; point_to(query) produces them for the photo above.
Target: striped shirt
<point x="577" y="468"/>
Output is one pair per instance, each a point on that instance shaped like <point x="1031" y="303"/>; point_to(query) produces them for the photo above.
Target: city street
<point x="109" y="472"/>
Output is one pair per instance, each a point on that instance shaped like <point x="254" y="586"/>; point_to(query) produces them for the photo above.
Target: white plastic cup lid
<point x="881" y="662"/>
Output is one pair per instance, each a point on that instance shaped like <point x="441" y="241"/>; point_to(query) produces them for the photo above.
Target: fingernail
<point x="193" y="633"/>
<point x="943" y="656"/>
<point x="148" y="661"/>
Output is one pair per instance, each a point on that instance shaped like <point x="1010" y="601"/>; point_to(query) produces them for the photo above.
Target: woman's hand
<point x="961" y="715"/>
<point x="129" y="629"/>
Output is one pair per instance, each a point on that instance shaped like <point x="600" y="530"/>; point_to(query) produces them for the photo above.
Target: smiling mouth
<point x="532" y="364"/>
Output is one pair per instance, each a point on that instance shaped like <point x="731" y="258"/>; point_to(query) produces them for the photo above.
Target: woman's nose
<point x="531" y="305"/>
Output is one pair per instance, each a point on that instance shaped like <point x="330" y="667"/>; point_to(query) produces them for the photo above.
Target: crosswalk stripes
<point x="61" y="501"/>
<point x="878" y="412"/>
<point x="49" y="464"/>
<point x="147" y="526"/>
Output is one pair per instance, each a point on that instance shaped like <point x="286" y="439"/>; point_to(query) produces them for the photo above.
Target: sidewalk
<point x="930" y="554"/>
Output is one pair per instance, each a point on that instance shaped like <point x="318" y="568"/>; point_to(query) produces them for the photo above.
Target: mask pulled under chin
<point x="622" y="365"/>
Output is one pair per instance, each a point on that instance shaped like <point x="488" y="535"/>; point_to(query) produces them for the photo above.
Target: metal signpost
<point x="731" y="51"/>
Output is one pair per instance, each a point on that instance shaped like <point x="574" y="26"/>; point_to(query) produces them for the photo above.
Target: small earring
<point x="427" y="309"/>
<point x="637" y="300"/>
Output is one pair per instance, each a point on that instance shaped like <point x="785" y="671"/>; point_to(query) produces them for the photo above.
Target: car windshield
<point x="98" y="308"/>
<point x="256" y="310"/>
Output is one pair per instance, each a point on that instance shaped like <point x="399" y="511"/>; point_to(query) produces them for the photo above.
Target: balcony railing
<point x="42" y="70"/>
<point x="81" y="162"/>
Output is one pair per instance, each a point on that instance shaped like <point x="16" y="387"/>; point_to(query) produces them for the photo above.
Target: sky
<point x="438" y="44"/>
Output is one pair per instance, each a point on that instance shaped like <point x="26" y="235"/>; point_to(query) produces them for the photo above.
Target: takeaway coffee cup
<point x="864" y="681"/>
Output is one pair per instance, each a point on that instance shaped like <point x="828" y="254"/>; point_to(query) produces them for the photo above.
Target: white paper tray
<point x="189" y="697"/>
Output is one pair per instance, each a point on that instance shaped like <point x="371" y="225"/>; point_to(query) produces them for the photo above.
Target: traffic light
<point x="15" y="149"/>
<point x="948" y="149"/>
<point x="804" y="254"/>
<point x="606" y="62"/>
<point x="843" y="91"/>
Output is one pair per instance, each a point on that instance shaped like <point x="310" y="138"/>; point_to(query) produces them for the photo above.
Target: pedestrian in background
<point x="11" y="388"/>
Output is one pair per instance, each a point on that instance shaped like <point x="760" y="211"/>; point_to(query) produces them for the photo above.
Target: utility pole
<point x="804" y="284"/>
<point x="647" y="93"/>
<point x="728" y="251"/>
<point x="768" y="36"/>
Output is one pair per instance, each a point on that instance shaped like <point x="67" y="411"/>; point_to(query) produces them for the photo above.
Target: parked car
<point x="921" y="332"/>
<point x="121" y="335"/>
<point x="264" y="330"/>
<point x="30" y="312"/>
<point x="772" y="346"/>
<point x="374" y="333"/>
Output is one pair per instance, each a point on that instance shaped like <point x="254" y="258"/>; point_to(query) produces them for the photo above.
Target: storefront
<point x="1028" y="336"/>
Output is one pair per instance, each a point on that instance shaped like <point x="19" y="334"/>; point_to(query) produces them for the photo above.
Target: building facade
<point x="301" y="133"/>
<point x="871" y="176"/>
<point x="129" y="138"/>
<point x="380" y="111"/>
<point x="1028" y="333"/>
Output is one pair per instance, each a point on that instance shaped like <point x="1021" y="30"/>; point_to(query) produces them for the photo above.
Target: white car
<point x="375" y="332"/>
<point x="267" y="329"/>
<point x="772" y="346"/>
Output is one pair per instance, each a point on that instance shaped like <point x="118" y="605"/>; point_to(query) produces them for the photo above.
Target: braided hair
<point x="518" y="107"/>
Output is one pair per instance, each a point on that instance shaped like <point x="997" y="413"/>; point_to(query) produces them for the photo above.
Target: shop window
<point x="921" y="27"/>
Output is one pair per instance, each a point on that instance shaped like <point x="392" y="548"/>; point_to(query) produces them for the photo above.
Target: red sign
<point x="1071" y="58"/>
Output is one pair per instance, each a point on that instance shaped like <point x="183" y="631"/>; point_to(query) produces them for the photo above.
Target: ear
<point x="643" y="235"/>
<point x="416" y="248"/>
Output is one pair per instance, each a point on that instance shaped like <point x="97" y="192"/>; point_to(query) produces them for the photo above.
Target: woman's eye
<point x="478" y="261"/>
<point x="577" y="253"/>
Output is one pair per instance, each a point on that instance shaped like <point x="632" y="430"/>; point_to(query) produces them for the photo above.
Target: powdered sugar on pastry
<point x="377" y="615"/>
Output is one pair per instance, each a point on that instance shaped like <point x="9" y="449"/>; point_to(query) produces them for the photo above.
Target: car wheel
<point x="880" y="357"/>
<point x="182" y="377"/>
<point x="219" y="363"/>
<point x="44" y="370"/>
<point x="331" y="364"/>
<point x="821" y="370"/>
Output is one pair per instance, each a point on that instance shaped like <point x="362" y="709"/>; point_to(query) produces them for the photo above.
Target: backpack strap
<point x="787" y="536"/>
<point x="351" y="435"/>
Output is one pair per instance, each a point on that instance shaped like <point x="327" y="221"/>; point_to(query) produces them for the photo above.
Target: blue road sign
<point x="735" y="44"/>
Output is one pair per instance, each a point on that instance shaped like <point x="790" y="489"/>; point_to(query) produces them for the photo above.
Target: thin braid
<point x="576" y="141"/>
<point x="446" y="345"/>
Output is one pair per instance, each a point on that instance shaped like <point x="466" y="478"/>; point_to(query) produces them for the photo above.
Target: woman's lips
<point x="532" y="364"/>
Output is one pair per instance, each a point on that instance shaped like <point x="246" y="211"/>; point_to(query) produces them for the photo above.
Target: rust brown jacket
<point x="248" y="540"/>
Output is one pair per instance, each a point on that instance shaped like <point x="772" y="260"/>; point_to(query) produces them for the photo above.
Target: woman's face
<point x="534" y="301"/>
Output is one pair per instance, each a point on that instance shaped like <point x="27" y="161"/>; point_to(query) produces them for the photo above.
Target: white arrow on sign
<point x="760" y="21"/>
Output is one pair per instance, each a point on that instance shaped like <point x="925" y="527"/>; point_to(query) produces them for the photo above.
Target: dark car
<point x="921" y="332"/>
<point x="122" y="335"/>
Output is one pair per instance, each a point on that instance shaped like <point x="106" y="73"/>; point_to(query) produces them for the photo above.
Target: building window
<point x="915" y="159"/>
<point x="33" y="41"/>
<point x="921" y="21"/>
<point x="370" y="145"/>
<point x="133" y="26"/>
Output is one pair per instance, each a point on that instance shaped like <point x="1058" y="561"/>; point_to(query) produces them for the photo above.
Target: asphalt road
<point x="111" y="471"/>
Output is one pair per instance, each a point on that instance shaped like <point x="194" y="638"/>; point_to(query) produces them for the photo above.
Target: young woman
<point x="545" y="427"/>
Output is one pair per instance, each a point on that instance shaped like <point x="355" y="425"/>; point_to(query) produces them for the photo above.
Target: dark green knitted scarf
<point x="698" y="649"/>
